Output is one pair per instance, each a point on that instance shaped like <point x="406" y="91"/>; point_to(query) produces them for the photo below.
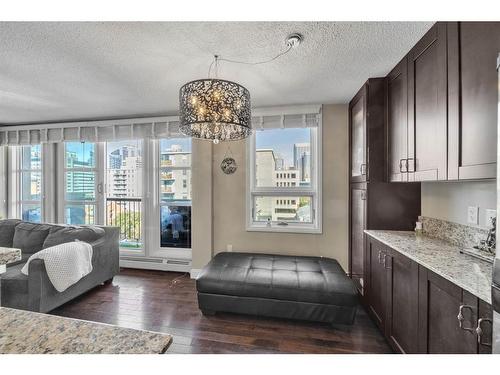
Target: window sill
<point x="284" y="229"/>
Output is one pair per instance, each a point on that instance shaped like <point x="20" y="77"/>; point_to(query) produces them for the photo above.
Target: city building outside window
<point x="284" y="192"/>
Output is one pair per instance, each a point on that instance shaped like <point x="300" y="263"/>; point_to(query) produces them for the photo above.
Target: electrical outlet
<point x="490" y="214"/>
<point x="229" y="247"/>
<point x="473" y="215"/>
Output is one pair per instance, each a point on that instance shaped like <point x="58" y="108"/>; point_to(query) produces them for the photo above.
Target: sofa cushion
<point x="287" y="278"/>
<point x="14" y="287"/>
<point x="7" y="229"/>
<point x="63" y="234"/>
<point x="29" y="237"/>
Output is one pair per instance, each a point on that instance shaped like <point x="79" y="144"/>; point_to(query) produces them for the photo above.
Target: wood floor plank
<point x="167" y="302"/>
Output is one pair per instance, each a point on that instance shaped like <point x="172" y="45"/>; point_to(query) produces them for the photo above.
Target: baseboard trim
<point x="154" y="266"/>
<point x="195" y="272"/>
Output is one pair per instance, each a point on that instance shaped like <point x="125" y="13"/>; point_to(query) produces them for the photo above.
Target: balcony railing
<point x="126" y="213"/>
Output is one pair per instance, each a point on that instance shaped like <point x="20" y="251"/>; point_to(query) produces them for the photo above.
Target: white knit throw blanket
<point x="66" y="264"/>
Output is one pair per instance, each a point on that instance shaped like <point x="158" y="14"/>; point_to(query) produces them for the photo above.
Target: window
<point x="293" y="203"/>
<point x="175" y="193"/>
<point x="80" y="183"/>
<point x="124" y="198"/>
<point x="30" y="182"/>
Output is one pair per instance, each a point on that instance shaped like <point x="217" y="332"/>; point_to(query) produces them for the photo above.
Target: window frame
<point x="17" y="154"/>
<point x="314" y="190"/>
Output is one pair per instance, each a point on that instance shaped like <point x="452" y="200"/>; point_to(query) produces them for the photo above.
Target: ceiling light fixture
<point x="217" y="109"/>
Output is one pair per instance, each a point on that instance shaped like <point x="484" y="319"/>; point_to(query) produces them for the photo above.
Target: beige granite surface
<point x="25" y="332"/>
<point x="443" y="258"/>
<point x="8" y="255"/>
<point x="457" y="234"/>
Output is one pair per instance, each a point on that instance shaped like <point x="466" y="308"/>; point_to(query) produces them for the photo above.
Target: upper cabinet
<point x="357" y="115"/>
<point x="397" y="122"/>
<point x="427" y="97"/>
<point x="442" y="103"/>
<point x="367" y="132"/>
<point x="473" y="99"/>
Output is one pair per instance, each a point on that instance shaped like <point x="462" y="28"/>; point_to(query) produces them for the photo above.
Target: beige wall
<point x="229" y="192"/>
<point x="449" y="200"/>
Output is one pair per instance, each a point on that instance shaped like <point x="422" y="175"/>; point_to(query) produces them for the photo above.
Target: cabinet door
<point x="486" y="314"/>
<point x="397" y="120"/>
<point x="358" y="225"/>
<point x="376" y="288"/>
<point x="402" y="304"/>
<point x="439" y="302"/>
<point x="357" y="116"/>
<point x="427" y="107"/>
<point x="473" y="48"/>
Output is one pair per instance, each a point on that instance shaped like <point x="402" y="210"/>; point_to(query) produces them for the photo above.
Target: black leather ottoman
<point x="306" y="288"/>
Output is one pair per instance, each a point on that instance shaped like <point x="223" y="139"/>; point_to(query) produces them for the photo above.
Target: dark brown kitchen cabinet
<point x="402" y="306"/>
<point x="357" y="116"/>
<point x="376" y="280"/>
<point x="397" y="122"/>
<point x="439" y="304"/>
<point x="358" y="225"/>
<point x="473" y="99"/>
<point x="374" y="203"/>
<point x="427" y="107"/>
<point x="419" y="311"/>
<point x="367" y="132"/>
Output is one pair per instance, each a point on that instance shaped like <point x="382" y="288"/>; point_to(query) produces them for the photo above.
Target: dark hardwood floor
<point x="166" y="302"/>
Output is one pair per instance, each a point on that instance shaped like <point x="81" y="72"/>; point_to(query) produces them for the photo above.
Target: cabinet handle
<point x="362" y="169"/>
<point x="461" y="318"/>
<point x="480" y="332"/>
<point x="401" y="165"/>
<point x="387" y="265"/>
<point x="408" y="165"/>
<point x="379" y="257"/>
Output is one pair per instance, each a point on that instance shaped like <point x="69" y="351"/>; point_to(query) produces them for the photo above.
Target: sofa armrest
<point x="37" y="283"/>
<point x="106" y="250"/>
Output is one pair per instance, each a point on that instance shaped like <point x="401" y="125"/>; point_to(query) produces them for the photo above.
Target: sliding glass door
<point x="124" y="186"/>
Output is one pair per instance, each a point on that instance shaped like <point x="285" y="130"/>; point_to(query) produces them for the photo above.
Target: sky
<point x="281" y="141"/>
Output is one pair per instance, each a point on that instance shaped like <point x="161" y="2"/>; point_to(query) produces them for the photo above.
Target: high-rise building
<point x="175" y="180"/>
<point x="302" y="161"/>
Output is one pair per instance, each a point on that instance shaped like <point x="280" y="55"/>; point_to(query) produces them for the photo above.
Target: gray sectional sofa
<point x="35" y="292"/>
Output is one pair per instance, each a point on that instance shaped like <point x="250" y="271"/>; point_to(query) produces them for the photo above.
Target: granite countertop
<point x="443" y="258"/>
<point x="26" y="332"/>
<point x="8" y="255"/>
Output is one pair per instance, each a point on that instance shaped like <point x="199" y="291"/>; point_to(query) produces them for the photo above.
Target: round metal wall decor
<point x="228" y="165"/>
<point x="215" y="109"/>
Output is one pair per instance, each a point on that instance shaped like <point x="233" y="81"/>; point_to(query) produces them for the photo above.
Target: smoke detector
<point x="294" y="40"/>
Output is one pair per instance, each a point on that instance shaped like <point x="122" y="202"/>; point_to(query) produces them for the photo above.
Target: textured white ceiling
<point x="51" y="71"/>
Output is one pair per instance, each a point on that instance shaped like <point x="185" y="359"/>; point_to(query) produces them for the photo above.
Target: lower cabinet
<point x="376" y="282"/>
<point x="402" y="306"/>
<point x="419" y="311"/>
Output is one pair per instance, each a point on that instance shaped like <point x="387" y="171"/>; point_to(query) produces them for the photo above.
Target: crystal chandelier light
<point x="217" y="109"/>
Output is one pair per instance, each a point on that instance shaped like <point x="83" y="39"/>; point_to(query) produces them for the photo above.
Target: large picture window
<point x="30" y="182"/>
<point x="175" y="193"/>
<point x="284" y="192"/>
<point x="80" y="183"/>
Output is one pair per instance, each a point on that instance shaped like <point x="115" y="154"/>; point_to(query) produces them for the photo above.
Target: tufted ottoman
<point x="306" y="288"/>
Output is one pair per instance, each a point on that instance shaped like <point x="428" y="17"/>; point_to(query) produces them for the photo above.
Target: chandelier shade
<point x="215" y="109"/>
